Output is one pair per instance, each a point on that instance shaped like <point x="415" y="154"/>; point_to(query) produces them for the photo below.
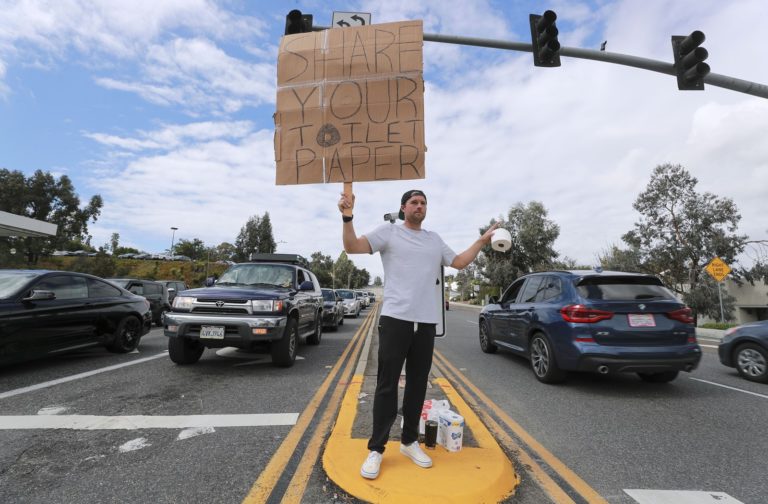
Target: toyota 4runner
<point x="271" y="300"/>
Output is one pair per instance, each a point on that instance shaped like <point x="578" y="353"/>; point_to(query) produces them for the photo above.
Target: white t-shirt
<point x="411" y="261"/>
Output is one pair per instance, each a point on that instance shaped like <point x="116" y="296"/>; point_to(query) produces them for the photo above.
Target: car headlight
<point x="183" y="302"/>
<point x="266" y="305"/>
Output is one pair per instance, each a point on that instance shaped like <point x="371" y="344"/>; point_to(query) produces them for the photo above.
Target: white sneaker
<point x="371" y="465"/>
<point x="415" y="453"/>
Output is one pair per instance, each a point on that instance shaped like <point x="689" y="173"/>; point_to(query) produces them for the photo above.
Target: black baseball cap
<point x="408" y="195"/>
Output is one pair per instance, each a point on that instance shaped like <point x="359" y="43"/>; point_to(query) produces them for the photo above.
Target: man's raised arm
<point x="352" y="244"/>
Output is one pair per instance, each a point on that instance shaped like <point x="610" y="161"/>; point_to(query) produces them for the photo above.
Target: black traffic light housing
<point x="544" y="38"/>
<point x="296" y="22"/>
<point x="689" y="61"/>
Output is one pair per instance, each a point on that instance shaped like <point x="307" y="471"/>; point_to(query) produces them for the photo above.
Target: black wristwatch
<point x="347" y="218"/>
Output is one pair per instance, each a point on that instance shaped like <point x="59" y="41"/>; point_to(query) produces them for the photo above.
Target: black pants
<point x="398" y="343"/>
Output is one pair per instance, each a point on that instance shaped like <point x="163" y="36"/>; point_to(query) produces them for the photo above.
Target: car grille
<point x="228" y="301"/>
<point x="214" y="309"/>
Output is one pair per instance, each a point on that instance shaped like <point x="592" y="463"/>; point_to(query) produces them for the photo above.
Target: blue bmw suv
<point x="600" y="321"/>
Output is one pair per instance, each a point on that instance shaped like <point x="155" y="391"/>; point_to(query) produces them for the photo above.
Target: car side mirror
<point x="306" y="285"/>
<point x="493" y="300"/>
<point x="40" y="295"/>
<point x="209" y="282"/>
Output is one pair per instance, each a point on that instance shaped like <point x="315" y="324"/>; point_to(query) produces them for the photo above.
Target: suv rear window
<point x="622" y="288"/>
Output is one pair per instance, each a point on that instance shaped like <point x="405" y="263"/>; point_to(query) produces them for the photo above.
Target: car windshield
<point x="328" y="295"/>
<point x="623" y="289"/>
<point x="255" y="274"/>
<point x="12" y="281"/>
<point x="118" y="282"/>
<point x="345" y="294"/>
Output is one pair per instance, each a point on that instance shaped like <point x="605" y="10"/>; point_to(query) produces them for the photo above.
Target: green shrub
<point x="718" y="325"/>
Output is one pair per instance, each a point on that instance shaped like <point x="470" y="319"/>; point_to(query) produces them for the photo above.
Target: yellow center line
<point x="547" y="484"/>
<point x="298" y="483"/>
<point x="564" y="471"/>
<point x="262" y="488"/>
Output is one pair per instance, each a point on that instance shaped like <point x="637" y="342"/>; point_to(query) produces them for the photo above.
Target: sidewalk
<point x="480" y="472"/>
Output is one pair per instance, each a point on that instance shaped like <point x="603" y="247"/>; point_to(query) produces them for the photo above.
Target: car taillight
<point x="684" y="315"/>
<point x="583" y="314"/>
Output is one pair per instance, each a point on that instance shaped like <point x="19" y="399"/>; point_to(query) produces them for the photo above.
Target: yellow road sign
<point x="717" y="269"/>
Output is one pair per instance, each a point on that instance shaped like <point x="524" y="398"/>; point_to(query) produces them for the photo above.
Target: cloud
<point x="198" y="76"/>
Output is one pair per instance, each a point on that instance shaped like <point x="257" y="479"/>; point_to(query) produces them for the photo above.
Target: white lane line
<point x="472" y="321"/>
<point x="680" y="497"/>
<point x="66" y="379"/>
<point x="94" y="422"/>
<point x="708" y="346"/>
<point x="728" y="387"/>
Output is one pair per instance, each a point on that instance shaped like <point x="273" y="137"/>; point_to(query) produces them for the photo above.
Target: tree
<point x="533" y="237"/>
<point x="343" y="270"/>
<point x="43" y="197"/>
<point x="225" y="252"/>
<point x="618" y="259"/>
<point x="322" y="266"/>
<point x="194" y="249"/>
<point x="377" y="282"/>
<point x="114" y="243"/>
<point x="681" y="230"/>
<point x="255" y="237"/>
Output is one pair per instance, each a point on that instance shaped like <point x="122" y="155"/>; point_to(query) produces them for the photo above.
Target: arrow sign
<point x="346" y="19"/>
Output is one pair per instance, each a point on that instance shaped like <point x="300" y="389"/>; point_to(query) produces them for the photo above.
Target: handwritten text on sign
<point x="350" y="105"/>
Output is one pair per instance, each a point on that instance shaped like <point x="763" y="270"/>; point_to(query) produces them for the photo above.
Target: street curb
<point x="475" y="474"/>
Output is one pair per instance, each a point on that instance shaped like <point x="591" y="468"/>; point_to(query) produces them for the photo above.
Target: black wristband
<point x="347" y="218"/>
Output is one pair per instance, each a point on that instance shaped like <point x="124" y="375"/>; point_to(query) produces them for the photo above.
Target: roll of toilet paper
<point x="501" y="240"/>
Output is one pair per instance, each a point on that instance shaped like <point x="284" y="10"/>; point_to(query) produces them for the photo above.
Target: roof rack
<point x="281" y="258"/>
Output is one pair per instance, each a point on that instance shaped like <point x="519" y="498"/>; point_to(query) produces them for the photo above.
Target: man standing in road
<point x="412" y="257"/>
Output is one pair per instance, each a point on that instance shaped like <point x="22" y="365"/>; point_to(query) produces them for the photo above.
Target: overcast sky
<point x="164" y="107"/>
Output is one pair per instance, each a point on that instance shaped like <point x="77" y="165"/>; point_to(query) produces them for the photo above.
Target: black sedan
<point x="49" y="312"/>
<point x="746" y="348"/>
<point x="333" y="309"/>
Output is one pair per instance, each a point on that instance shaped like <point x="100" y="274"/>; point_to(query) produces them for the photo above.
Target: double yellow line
<point x="264" y="486"/>
<point x="485" y="407"/>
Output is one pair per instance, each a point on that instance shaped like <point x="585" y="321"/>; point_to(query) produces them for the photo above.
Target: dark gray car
<point x="746" y="348"/>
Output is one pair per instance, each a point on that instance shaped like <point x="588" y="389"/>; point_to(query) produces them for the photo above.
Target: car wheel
<point x="284" y="350"/>
<point x="161" y="317"/>
<point x="543" y="361"/>
<point x="662" y="377"/>
<point x="752" y="362"/>
<point x="127" y="335"/>
<point x="485" y="339"/>
<point x="184" y="350"/>
<point x="315" y="337"/>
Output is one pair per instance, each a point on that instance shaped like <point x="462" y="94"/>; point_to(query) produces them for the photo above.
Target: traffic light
<point x="296" y="22"/>
<point x="544" y="38"/>
<point x="689" y="61"/>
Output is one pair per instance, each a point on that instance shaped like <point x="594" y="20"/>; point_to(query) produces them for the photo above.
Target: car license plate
<point x="641" y="320"/>
<point x="212" y="332"/>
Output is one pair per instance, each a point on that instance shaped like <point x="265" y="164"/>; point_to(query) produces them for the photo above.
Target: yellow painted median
<point x="481" y="474"/>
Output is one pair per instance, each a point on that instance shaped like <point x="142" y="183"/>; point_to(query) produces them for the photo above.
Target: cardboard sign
<point x="350" y="105"/>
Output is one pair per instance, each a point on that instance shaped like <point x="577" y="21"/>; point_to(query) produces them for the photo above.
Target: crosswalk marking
<point x="132" y="422"/>
<point x="680" y="497"/>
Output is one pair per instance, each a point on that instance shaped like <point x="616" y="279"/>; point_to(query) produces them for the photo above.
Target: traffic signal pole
<point x="723" y="81"/>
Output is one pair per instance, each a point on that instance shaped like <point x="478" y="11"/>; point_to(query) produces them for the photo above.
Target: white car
<point x="352" y="304"/>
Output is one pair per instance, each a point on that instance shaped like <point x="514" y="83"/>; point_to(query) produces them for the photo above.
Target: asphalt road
<point x="617" y="432"/>
<point x="614" y="432"/>
<point x="118" y="462"/>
